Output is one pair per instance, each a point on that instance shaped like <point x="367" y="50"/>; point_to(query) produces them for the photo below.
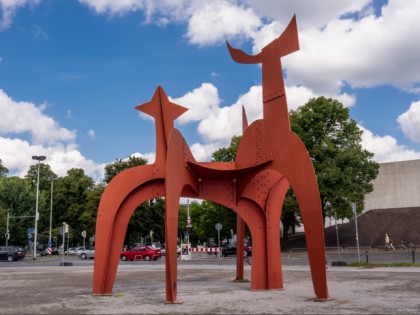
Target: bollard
<point x="367" y="257"/>
<point x="414" y="257"/>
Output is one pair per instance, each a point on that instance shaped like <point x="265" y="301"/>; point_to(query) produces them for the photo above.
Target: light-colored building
<point x="396" y="186"/>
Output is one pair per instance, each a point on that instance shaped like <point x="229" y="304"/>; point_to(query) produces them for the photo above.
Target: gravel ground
<point x="207" y="289"/>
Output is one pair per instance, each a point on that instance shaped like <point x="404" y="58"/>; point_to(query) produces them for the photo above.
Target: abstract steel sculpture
<point x="270" y="158"/>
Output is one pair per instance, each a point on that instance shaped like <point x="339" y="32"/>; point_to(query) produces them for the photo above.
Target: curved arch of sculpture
<point x="117" y="205"/>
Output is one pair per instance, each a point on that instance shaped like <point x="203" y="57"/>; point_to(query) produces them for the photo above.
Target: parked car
<point x="81" y="249"/>
<point x="141" y="252"/>
<point x="73" y="250"/>
<point x="54" y="251"/>
<point x="11" y="253"/>
<point x="87" y="253"/>
<point x="229" y="249"/>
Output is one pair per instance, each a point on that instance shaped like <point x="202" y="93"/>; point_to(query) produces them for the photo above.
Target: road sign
<point x="218" y="226"/>
<point x="65" y="228"/>
<point x="84" y="233"/>
<point x="49" y="244"/>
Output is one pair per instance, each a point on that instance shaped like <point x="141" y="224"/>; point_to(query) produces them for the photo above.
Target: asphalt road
<point x="296" y="257"/>
<point x="204" y="289"/>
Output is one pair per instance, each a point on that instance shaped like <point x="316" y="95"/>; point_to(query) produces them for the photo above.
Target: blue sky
<point x="71" y="73"/>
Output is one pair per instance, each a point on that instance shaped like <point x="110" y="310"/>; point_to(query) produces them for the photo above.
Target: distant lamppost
<point x="52" y="187"/>
<point x="338" y="239"/>
<point x="353" y="205"/>
<point x="189" y="226"/>
<point x="39" y="158"/>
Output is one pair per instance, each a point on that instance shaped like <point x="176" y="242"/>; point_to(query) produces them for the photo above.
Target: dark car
<point x="11" y="253"/>
<point x="141" y="253"/>
<point x="229" y="249"/>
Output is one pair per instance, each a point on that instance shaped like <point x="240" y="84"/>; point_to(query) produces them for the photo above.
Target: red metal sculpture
<point x="270" y="158"/>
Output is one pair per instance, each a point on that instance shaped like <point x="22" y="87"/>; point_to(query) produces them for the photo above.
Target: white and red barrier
<point x="205" y="249"/>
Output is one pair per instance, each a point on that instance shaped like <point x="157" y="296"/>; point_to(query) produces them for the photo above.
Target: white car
<point x="87" y="253"/>
<point x="71" y="251"/>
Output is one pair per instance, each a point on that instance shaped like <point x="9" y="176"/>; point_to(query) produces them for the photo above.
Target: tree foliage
<point x="75" y="200"/>
<point x="343" y="168"/>
<point x="17" y="197"/>
<point x="88" y="217"/>
<point x="3" y="170"/>
<point x="204" y="217"/>
<point x="45" y="175"/>
<point x="227" y="154"/>
<point x="70" y="202"/>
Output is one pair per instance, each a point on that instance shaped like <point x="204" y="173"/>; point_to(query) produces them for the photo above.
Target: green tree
<point x="45" y="174"/>
<point x="18" y="197"/>
<point x="3" y="170"/>
<point x="204" y="217"/>
<point x="227" y="154"/>
<point x="88" y="217"/>
<point x="70" y="202"/>
<point x="343" y="168"/>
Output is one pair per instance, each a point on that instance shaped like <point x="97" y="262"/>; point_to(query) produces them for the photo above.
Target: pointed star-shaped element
<point x="163" y="111"/>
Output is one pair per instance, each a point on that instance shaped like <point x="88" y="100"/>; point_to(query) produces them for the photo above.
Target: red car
<point x="141" y="253"/>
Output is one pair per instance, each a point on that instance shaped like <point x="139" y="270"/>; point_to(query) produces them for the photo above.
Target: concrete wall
<point x="397" y="186"/>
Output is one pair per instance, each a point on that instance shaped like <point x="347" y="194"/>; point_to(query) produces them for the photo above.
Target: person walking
<point x="386" y="242"/>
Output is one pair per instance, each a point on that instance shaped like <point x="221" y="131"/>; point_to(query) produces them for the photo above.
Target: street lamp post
<point x="52" y="188"/>
<point x="39" y="158"/>
<point x="353" y="205"/>
<point x="7" y="229"/>
<point x="338" y="239"/>
<point x="188" y="221"/>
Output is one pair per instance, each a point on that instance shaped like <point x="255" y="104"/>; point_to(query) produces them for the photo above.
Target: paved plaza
<point x="207" y="289"/>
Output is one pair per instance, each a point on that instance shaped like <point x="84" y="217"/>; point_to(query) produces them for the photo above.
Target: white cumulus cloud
<point x="21" y="117"/>
<point x="385" y="148"/>
<point x="200" y="102"/>
<point x="47" y="138"/>
<point x="410" y="122"/>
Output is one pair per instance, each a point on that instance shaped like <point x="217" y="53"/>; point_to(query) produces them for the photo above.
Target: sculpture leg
<point x="305" y="187"/>
<point x="255" y="220"/>
<point x="273" y="217"/>
<point x="171" y="229"/>
<point x="240" y="255"/>
<point x="311" y="214"/>
<point x="176" y="179"/>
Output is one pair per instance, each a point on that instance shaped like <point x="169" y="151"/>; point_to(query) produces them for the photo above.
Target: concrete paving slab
<point x="207" y="289"/>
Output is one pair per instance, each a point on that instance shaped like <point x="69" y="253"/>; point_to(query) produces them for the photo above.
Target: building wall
<point x="397" y="186"/>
